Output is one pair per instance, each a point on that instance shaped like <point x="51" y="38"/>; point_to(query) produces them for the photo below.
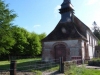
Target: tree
<point x="41" y="36"/>
<point x="26" y="44"/>
<point x="20" y="36"/>
<point x="34" y="46"/>
<point x="6" y="17"/>
<point x="96" y="30"/>
<point x="15" y="40"/>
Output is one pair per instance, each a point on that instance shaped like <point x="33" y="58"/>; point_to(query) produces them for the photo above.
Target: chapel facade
<point x="70" y="38"/>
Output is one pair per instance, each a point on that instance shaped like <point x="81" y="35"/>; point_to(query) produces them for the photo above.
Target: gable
<point x="64" y="31"/>
<point x="69" y="30"/>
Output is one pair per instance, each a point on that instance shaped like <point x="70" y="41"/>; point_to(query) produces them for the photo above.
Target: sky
<point x="41" y="16"/>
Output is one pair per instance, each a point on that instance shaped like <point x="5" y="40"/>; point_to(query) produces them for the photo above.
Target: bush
<point x="94" y="62"/>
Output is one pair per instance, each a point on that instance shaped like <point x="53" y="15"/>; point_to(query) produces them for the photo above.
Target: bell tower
<point x="66" y="11"/>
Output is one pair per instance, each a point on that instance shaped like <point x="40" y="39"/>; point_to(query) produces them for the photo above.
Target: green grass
<point x="19" y="61"/>
<point x="23" y="64"/>
<point x="96" y="59"/>
<point x="54" y="68"/>
<point x="5" y="65"/>
<point x="39" y="72"/>
<point x="82" y="71"/>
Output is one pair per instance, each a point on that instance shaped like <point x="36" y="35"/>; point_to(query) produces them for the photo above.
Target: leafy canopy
<point x="6" y="17"/>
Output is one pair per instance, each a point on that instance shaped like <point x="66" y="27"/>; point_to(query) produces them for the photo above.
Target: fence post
<point x="61" y="69"/>
<point x="13" y="67"/>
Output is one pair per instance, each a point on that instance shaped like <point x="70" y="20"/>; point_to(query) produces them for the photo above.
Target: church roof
<point x="68" y="30"/>
<point x="82" y="27"/>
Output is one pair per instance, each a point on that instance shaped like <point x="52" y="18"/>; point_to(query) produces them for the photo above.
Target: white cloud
<point x="56" y="10"/>
<point x="90" y="2"/>
<point x="35" y="26"/>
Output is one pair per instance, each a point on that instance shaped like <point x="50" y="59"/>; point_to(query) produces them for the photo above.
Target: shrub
<point x="94" y="62"/>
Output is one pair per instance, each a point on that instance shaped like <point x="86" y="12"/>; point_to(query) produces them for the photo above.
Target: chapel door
<point x="60" y="51"/>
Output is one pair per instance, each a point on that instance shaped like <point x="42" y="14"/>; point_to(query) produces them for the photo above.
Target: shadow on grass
<point x="31" y="65"/>
<point x="35" y="65"/>
<point x="5" y="67"/>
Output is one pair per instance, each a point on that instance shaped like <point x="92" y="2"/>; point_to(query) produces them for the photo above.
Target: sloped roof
<point x="68" y="30"/>
<point x="82" y="27"/>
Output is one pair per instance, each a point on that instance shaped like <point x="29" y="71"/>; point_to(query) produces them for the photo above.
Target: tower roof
<point x="66" y="6"/>
<point x="66" y="1"/>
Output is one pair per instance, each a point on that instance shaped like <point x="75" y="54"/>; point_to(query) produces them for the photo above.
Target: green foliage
<point x="34" y="46"/>
<point x="41" y="36"/>
<point x="97" y="33"/>
<point x="27" y="44"/>
<point x="94" y="62"/>
<point x="20" y="35"/>
<point x="96" y="30"/>
<point x="99" y="43"/>
<point x="6" y="39"/>
<point x="14" y="40"/>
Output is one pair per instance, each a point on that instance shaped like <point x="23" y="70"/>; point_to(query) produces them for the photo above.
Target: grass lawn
<point x="23" y="65"/>
<point x="5" y="65"/>
<point x="30" y="64"/>
<point x="82" y="71"/>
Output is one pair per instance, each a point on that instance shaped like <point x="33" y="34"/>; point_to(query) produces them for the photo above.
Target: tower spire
<point x="66" y="6"/>
<point x="66" y="11"/>
<point x="66" y="1"/>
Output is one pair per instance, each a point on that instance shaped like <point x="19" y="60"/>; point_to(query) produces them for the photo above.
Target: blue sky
<point x="43" y="15"/>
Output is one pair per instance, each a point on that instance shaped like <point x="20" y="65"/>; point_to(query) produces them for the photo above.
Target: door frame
<point x="56" y="43"/>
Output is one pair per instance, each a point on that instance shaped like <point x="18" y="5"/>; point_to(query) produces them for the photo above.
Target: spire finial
<point x="66" y="1"/>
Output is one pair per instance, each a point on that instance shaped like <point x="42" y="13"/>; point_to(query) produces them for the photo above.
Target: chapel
<point x="70" y="39"/>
